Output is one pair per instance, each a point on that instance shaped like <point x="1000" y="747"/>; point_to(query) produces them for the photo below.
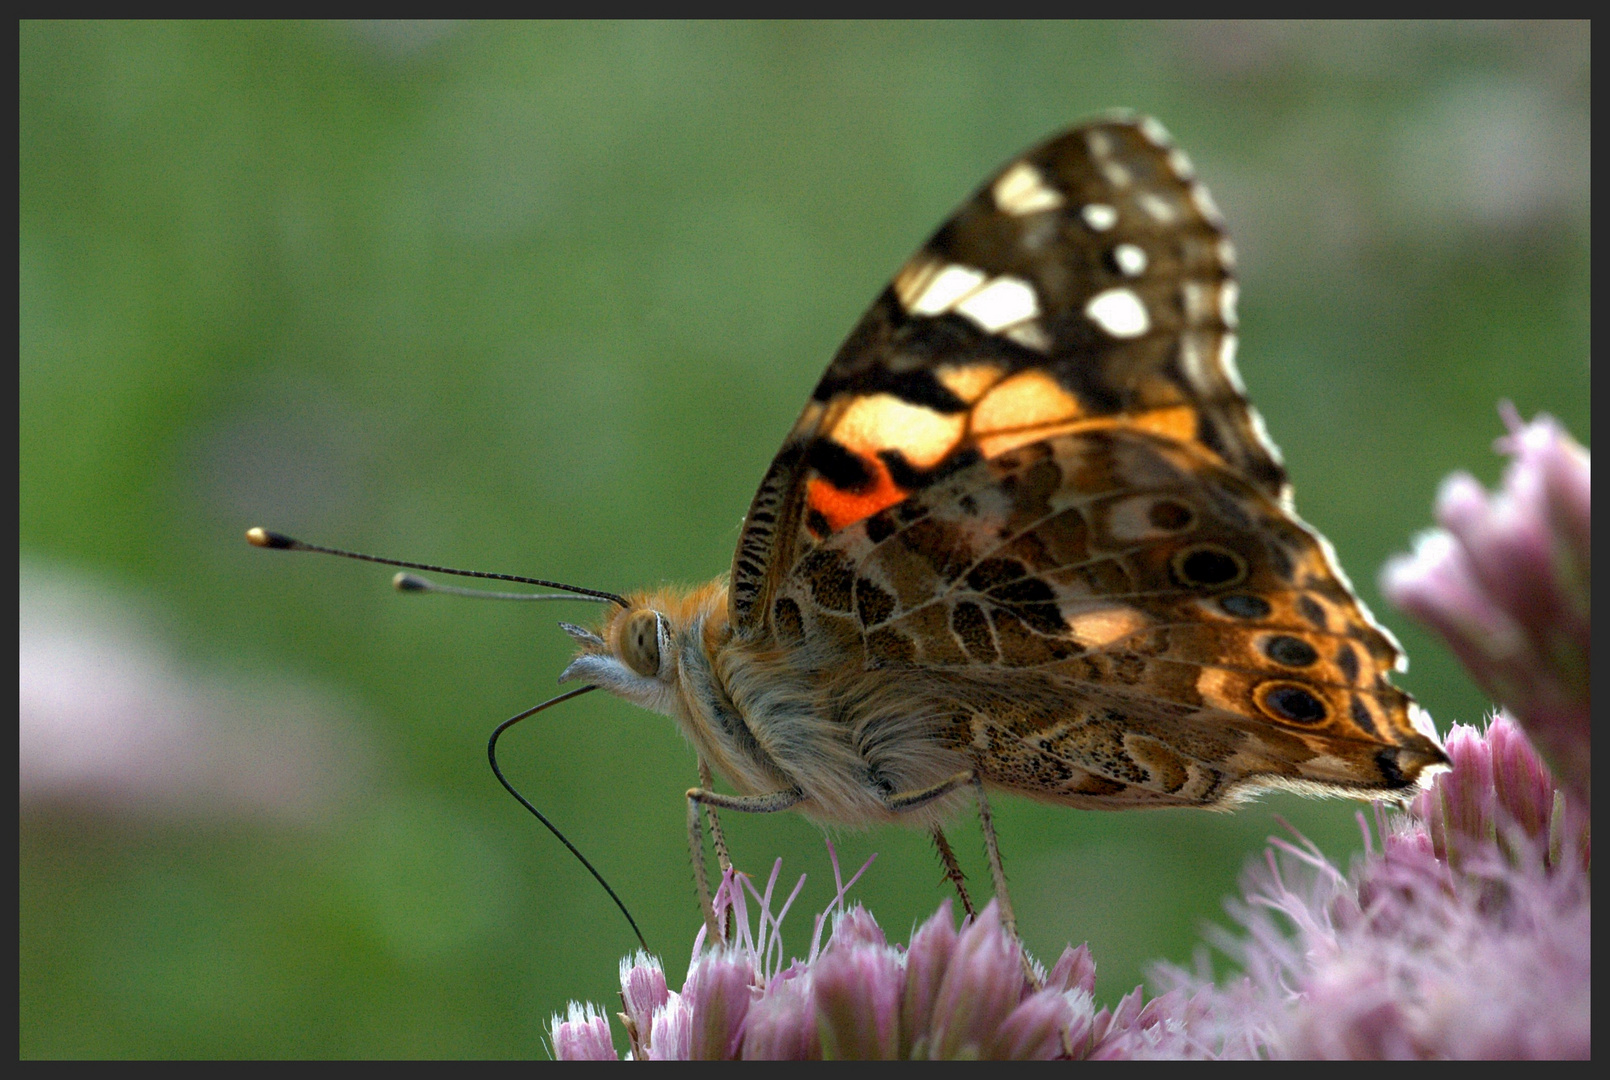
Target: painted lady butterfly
<point x="1028" y="535"/>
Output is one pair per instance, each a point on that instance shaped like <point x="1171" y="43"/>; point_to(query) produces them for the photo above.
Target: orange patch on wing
<point x="1027" y="399"/>
<point x="1177" y="422"/>
<point x="884" y="422"/>
<point x="968" y="381"/>
<point x="844" y="508"/>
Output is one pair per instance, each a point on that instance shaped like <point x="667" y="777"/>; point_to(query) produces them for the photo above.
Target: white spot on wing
<point x="1181" y="164"/>
<point x="1023" y="190"/>
<point x="1193" y="361"/>
<point x="1101" y="148"/>
<point x="914" y="278"/>
<point x="1420" y="718"/>
<point x="1227" y="364"/>
<point x="1161" y="210"/>
<point x="1099" y="216"/>
<point x="947" y="287"/>
<point x="1155" y="132"/>
<point x="1117" y="175"/>
<point x="1030" y="335"/>
<point x="1261" y="433"/>
<point x="1119" y="312"/>
<point x="1228" y="294"/>
<point x="1004" y="302"/>
<point x="1130" y="259"/>
<point x="1198" y="302"/>
<point x="1205" y="204"/>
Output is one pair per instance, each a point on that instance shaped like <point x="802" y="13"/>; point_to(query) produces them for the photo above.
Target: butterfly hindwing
<point x="1112" y="586"/>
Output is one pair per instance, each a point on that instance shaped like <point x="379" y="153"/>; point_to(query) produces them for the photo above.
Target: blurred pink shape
<point x="109" y="720"/>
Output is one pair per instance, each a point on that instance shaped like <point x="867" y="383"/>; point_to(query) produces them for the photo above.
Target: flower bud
<point x="982" y="985"/>
<point x="582" y="1036"/>
<point x="718" y="993"/>
<point x="781" y="1025"/>
<point x="858" y="988"/>
<point x="927" y="957"/>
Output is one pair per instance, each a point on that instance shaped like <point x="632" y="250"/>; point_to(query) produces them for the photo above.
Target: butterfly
<point x="1027" y="536"/>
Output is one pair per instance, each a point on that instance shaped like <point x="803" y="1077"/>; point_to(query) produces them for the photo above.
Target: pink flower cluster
<point x="949" y="994"/>
<point x="1466" y="934"/>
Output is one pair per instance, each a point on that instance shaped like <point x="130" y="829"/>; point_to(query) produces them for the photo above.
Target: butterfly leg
<point x="723" y="858"/>
<point x="910" y="800"/>
<point x="701" y="873"/>
<point x="953" y="870"/>
<point x="992" y="848"/>
<point x="748" y="804"/>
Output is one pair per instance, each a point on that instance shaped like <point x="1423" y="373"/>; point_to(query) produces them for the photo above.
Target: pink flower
<point x="1505" y="583"/>
<point x="717" y="995"/>
<point x="643" y="994"/>
<point x="1499" y="796"/>
<point x="983" y="982"/>
<point x="671" y="1032"/>
<point x="926" y="959"/>
<point x="782" y="1024"/>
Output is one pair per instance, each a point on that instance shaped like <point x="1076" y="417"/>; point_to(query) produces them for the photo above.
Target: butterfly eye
<point x="640" y="642"/>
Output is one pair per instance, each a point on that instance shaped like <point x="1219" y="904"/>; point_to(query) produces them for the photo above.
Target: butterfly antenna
<point x="406" y="582"/>
<point x="265" y="539"/>
<point x="492" y="756"/>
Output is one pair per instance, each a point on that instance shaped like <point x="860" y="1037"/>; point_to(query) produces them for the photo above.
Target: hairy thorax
<point x="769" y="719"/>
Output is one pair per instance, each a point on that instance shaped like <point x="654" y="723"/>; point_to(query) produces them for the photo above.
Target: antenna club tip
<point x="409" y="583"/>
<point x="259" y="537"/>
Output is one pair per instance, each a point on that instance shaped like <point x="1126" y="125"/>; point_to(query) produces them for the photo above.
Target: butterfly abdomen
<point x="848" y="741"/>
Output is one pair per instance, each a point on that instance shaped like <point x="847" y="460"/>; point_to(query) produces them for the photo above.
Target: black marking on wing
<point x="837" y="465"/>
<point x="911" y="478"/>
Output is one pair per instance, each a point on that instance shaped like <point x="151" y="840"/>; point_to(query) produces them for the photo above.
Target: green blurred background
<point x="544" y="299"/>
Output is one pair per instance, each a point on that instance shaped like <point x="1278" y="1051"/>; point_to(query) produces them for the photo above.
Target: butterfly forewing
<point x="1088" y="281"/>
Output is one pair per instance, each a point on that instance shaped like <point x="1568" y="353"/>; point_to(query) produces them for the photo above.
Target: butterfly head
<point x="637" y="652"/>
